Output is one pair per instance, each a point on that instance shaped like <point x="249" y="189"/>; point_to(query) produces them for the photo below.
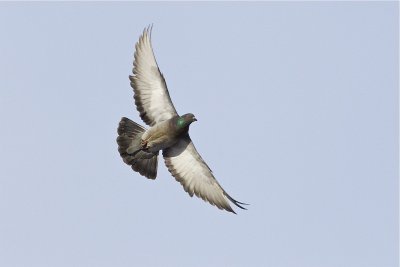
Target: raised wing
<point x="150" y="90"/>
<point x="186" y="165"/>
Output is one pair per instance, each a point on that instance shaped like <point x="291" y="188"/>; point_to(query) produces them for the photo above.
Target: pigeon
<point x="168" y="132"/>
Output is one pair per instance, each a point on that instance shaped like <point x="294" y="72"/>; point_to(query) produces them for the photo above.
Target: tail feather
<point x="129" y="147"/>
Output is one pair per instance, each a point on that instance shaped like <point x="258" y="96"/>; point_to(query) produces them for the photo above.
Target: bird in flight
<point x="168" y="132"/>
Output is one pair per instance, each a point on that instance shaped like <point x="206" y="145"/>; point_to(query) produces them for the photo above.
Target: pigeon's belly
<point x="160" y="143"/>
<point x="158" y="138"/>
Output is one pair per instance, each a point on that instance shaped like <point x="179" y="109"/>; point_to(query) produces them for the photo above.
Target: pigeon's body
<point x="168" y="133"/>
<point x="164" y="134"/>
<point x="160" y="136"/>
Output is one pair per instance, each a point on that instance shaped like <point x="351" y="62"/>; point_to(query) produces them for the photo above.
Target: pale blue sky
<point x="297" y="107"/>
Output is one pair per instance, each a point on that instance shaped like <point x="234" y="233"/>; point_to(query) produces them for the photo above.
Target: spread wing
<point x="186" y="165"/>
<point x="150" y="90"/>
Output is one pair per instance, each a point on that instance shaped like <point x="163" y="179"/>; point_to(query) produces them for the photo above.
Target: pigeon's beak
<point x="194" y="119"/>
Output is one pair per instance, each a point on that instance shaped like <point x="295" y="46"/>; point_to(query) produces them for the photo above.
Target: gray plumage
<point x="168" y="133"/>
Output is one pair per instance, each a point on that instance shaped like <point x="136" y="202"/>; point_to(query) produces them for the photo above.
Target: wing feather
<point x="186" y="165"/>
<point x="150" y="89"/>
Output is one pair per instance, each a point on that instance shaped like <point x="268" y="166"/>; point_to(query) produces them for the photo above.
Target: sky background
<point x="297" y="107"/>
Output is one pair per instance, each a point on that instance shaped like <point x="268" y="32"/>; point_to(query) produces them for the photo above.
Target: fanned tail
<point x="130" y="149"/>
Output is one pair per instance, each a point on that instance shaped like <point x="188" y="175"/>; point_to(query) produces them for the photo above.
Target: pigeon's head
<point x="189" y="117"/>
<point x="185" y="120"/>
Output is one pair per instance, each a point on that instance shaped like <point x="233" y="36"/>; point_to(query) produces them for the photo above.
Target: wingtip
<point x="148" y="30"/>
<point x="237" y="203"/>
<point x="242" y="203"/>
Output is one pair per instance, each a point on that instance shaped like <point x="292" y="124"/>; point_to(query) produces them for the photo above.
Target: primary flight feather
<point x="168" y="132"/>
